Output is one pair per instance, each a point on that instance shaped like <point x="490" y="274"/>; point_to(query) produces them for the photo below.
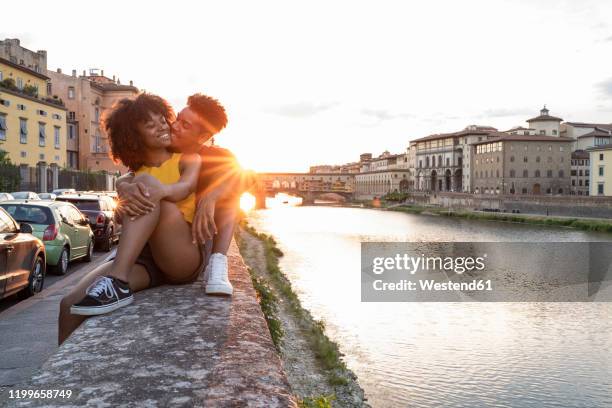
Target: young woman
<point x="139" y="136"/>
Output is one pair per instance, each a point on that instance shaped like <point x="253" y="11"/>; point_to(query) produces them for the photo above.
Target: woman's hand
<point x="134" y="199"/>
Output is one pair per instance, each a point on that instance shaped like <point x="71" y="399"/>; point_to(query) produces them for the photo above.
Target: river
<point x="443" y="354"/>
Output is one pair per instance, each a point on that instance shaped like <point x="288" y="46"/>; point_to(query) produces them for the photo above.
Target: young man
<point x="219" y="188"/>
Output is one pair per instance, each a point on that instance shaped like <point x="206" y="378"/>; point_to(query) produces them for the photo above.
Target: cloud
<point x="505" y="112"/>
<point x="609" y="39"/>
<point x="383" y="114"/>
<point x="301" y="109"/>
<point x="605" y="87"/>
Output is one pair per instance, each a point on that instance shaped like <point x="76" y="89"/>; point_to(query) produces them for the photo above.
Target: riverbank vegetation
<point x="578" y="223"/>
<point x="295" y="333"/>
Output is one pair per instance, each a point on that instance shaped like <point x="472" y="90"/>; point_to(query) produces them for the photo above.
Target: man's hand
<point x="203" y="227"/>
<point x="134" y="200"/>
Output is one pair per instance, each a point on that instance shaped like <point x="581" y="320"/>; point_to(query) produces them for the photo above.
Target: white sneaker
<point x="216" y="270"/>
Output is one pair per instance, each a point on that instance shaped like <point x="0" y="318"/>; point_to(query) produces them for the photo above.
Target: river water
<point x="443" y="354"/>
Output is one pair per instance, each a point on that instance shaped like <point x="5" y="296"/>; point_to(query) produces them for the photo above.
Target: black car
<point x="100" y="210"/>
<point x="22" y="258"/>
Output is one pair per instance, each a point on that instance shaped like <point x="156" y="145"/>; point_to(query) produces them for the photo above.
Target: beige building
<point x="11" y="49"/>
<point x="519" y="164"/>
<point x="384" y="174"/>
<point x="587" y="135"/>
<point x="87" y="97"/>
<point x="580" y="173"/>
<point x="601" y="170"/>
<point x="442" y="161"/>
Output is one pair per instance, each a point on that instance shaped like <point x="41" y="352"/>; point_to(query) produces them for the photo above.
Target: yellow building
<point x="601" y="170"/>
<point x="32" y="125"/>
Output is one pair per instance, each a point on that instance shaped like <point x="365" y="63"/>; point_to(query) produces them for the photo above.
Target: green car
<point x="60" y="225"/>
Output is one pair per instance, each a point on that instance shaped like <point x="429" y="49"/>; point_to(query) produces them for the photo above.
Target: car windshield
<point x="85" y="205"/>
<point x="20" y="195"/>
<point x="29" y="213"/>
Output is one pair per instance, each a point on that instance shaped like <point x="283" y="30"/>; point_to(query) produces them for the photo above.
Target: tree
<point x="10" y="178"/>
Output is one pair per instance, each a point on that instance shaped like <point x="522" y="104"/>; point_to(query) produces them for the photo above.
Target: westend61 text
<point x="432" y="285"/>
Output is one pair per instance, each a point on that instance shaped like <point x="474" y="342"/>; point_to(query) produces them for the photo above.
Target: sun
<point x="247" y="202"/>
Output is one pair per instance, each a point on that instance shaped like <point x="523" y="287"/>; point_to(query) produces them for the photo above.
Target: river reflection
<point x="444" y="354"/>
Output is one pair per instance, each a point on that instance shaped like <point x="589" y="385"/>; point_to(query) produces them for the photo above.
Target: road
<point x="28" y="328"/>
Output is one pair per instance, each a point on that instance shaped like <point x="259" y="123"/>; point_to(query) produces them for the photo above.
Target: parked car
<point x="25" y="195"/>
<point x="60" y="191"/>
<point x="100" y="209"/>
<point x="6" y="196"/>
<point x="47" y="196"/>
<point x="22" y="258"/>
<point x="61" y="227"/>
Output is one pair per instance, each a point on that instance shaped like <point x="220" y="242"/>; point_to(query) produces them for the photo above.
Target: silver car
<point x="25" y="195"/>
<point x="6" y="197"/>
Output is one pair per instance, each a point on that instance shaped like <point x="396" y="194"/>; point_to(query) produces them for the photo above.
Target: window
<point x="525" y="160"/>
<point x="497" y="173"/>
<point x="56" y="116"/>
<point x="537" y="159"/>
<point x="550" y="148"/>
<point x="600" y="156"/>
<point x="56" y="137"/>
<point x="542" y="132"/>
<point x="1" y="77"/>
<point x="587" y="173"/>
<point x="21" y="107"/>
<point x="41" y="134"/>
<point x="524" y="190"/>
<point x="41" y="112"/>
<point x="41" y="156"/>
<point x="96" y="114"/>
<point x="2" y="127"/>
<point x="447" y="162"/>
<point x="71" y="115"/>
<point x="537" y="173"/>
<point x="24" y="154"/>
<point x="600" y="188"/>
<point x="561" y="148"/>
<point x="586" y="182"/>
<point x="554" y="132"/>
<point x="512" y="173"/>
<point x="512" y="159"/>
<point x="579" y="172"/>
<point x="601" y="170"/>
<point x="71" y="131"/>
<point x="23" y="130"/>
<point x="71" y="92"/>
<point x="5" y="102"/>
<point x="561" y="174"/>
<point x="49" y="88"/>
<point x="550" y="159"/>
<point x="549" y="173"/>
<point x="57" y="158"/>
<point x="20" y="84"/>
<point x="525" y="173"/>
<point x="6" y="224"/>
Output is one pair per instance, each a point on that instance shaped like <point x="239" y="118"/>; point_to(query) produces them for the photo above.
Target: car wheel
<point x="62" y="265"/>
<point x="108" y="243"/>
<point x="36" y="279"/>
<point x="90" y="250"/>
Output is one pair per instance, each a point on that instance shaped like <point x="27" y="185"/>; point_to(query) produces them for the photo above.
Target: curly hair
<point x="121" y="124"/>
<point x="209" y="110"/>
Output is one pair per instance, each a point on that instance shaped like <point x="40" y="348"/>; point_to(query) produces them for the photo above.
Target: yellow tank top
<point x="168" y="173"/>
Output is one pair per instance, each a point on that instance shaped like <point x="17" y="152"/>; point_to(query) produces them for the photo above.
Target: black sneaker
<point x="103" y="296"/>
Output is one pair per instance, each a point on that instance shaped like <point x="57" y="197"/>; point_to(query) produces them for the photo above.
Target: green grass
<point x="322" y="401"/>
<point x="326" y="351"/>
<point x="582" y="224"/>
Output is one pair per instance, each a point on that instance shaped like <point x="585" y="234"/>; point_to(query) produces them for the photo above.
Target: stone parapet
<point x="174" y="346"/>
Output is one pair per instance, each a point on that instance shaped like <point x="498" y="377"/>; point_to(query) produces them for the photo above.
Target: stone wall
<point x="569" y="206"/>
<point x="174" y="346"/>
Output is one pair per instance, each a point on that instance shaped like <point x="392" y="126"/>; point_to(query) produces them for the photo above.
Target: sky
<point x="319" y="82"/>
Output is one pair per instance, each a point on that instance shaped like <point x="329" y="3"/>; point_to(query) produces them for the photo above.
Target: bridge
<point x="308" y="186"/>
